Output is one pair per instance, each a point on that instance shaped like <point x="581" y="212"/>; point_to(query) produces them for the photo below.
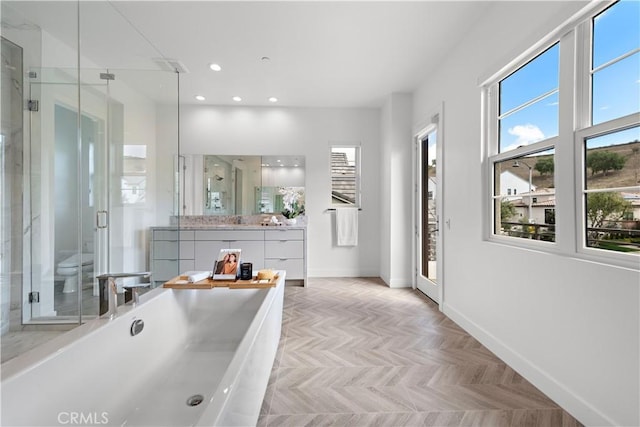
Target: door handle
<point x="102" y="219"/>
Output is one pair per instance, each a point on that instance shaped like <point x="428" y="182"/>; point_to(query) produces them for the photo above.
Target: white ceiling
<point x="322" y="54"/>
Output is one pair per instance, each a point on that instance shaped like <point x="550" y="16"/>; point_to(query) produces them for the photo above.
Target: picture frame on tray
<point x="227" y="265"/>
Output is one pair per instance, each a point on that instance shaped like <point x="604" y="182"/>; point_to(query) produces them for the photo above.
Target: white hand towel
<point x="347" y="226"/>
<point x="196" y="276"/>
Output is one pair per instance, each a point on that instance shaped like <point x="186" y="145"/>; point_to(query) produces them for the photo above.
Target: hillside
<point x="628" y="176"/>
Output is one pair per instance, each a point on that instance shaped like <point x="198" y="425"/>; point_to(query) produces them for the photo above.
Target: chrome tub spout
<point x="109" y="291"/>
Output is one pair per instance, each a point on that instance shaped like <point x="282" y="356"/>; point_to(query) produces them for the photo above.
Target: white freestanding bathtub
<point x="218" y="345"/>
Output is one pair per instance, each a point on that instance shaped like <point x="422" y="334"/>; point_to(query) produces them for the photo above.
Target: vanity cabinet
<point x="171" y="252"/>
<point x="209" y="242"/>
<point x="174" y="252"/>
<point x="284" y="249"/>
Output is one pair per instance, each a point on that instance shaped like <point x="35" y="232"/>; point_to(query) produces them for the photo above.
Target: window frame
<point x="581" y="135"/>
<point x="575" y="114"/>
<point x="358" y="174"/>
<point x="492" y="97"/>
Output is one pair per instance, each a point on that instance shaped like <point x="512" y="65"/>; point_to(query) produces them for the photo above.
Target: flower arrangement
<point x="293" y="200"/>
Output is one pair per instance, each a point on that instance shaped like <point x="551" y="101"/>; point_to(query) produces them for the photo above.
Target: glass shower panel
<point x="56" y="239"/>
<point x="136" y="186"/>
<point x="93" y="176"/>
<point x="132" y="161"/>
<point x="98" y="153"/>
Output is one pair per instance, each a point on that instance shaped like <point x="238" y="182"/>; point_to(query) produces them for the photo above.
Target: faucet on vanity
<point x="109" y="291"/>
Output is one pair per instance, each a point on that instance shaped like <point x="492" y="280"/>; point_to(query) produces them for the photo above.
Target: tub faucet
<point x="132" y="292"/>
<point x="109" y="291"/>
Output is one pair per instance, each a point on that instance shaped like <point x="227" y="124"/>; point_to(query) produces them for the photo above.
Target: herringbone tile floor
<point x="354" y="352"/>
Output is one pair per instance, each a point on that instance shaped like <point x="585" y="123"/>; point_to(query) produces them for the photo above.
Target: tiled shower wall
<point x="11" y="184"/>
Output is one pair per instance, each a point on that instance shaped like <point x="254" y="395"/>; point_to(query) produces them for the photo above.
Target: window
<point x="550" y="216"/>
<point x="609" y="143"/>
<point x="524" y="190"/>
<point x="529" y="102"/>
<point x="345" y="175"/>
<point x="612" y="191"/>
<point x="133" y="182"/>
<point x="587" y="73"/>
<point x="615" y="61"/>
<point x="527" y="127"/>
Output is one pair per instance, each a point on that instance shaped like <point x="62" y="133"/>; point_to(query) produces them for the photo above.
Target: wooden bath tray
<point x="175" y="283"/>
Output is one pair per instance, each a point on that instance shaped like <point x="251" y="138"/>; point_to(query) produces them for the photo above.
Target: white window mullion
<point x="564" y="153"/>
<point x="583" y="48"/>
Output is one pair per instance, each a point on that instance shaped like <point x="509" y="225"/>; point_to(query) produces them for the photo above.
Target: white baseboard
<point x="399" y="283"/>
<point x="559" y="393"/>
<point x="392" y="283"/>
<point x="341" y="272"/>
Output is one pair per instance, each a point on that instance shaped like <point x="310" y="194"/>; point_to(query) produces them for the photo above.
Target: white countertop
<point x="231" y="227"/>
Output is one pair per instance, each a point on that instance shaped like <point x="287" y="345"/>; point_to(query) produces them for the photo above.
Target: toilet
<point x="68" y="268"/>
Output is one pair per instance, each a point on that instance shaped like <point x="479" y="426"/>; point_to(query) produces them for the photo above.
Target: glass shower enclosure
<point x="99" y="138"/>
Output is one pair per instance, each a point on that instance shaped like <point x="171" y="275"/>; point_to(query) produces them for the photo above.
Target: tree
<point x="609" y="206"/>
<point x="507" y="210"/>
<point x="544" y="166"/>
<point x="604" y="161"/>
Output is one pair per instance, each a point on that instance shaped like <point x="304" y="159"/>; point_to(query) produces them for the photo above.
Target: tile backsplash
<point x="213" y="220"/>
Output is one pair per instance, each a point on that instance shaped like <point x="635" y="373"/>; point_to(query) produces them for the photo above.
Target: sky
<point x="616" y="87"/>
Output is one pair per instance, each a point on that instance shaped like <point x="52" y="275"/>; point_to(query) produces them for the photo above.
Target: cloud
<point x="526" y="134"/>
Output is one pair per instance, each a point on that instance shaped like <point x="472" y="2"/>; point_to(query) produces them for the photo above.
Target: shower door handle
<point x="102" y="219"/>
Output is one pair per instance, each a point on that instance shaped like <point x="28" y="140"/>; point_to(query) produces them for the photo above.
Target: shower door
<point x="122" y="212"/>
<point x="66" y="190"/>
<point x="90" y="186"/>
<point x="121" y="183"/>
<point x="55" y="189"/>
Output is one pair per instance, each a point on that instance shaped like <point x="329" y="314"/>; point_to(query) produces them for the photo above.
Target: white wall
<point x="569" y="326"/>
<point x="308" y="132"/>
<point x="396" y="188"/>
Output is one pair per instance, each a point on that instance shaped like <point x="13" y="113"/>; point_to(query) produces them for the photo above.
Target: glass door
<point x="122" y="155"/>
<point x="56" y="192"/>
<point x="92" y="180"/>
<point x="428" y="214"/>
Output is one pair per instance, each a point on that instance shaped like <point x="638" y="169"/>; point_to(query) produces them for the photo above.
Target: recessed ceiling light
<point x="278" y="160"/>
<point x="237" y="98"/>
<point x="295" y="166"/>
<point x="215" y="67"/>
<point x="200" y="98"/>
<point x="273" y="99"/>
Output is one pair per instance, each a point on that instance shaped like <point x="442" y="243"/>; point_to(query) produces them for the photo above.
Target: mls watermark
<point x="82" y="418"/>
